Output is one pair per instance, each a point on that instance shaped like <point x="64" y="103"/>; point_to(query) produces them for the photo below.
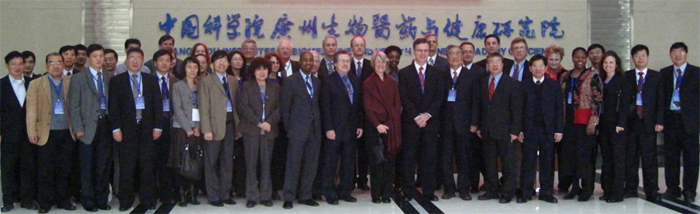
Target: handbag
<point x="191" y="161"/>
<point x="378" y="151"/>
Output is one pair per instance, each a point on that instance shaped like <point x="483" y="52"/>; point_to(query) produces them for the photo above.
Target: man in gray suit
<point x="88" y="106"/>
<point x="302" y="120"/>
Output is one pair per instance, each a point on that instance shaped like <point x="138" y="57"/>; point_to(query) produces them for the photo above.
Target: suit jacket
<point x="182" y="105"/>
<point x="502" y="115"/>
<point x="367" y="69"/>
<point x="300" y="112"/>
<point x="250" y="108"/>
<point x="416" y="102"/>
<point x="507" y="64"/>
<point x="616" y="101"/>
<point x="295" y="68"/>
<point x="323" y="72"/>
<point x="463" y="112"/>
<point x="178" y="71"/>
<point x="13" y="127"/>
<point x="551" y="106"/>
<point x="652" y="98"/>
<point x="527" y="74"/>
<point x="40" y="106"/>
<point x="122" y="106"/>
<point x="172" y="79"/>
<point x="212" y="104"/>
<point x="85" y="103"/>
<point x="688" y="94"/>
<point x="441" y="63"/>
<point x="338" y="113"/>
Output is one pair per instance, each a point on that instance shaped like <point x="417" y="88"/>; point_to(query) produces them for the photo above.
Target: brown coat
<point x="39" y="107"/>
<point x="212" y="104"/>
<point x="250" y="108"/>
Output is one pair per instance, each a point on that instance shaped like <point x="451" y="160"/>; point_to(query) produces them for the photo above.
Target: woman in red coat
<point x="380" y="93"/>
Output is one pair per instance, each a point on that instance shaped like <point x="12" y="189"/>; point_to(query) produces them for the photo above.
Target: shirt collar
<point x="458" y="70"/>
<point x="303" y="76"/>
<point x="94" y="72"/>
<point x="468" y="66"/>
<point x="682" y="67"/>
<point x="220" y="76"/>
<point x="161" y="76"/>
<point x="643" y="71"/>
<point x="425" y="66"/>
<point x="534" y="79"/>
<point x="13" y="80"/>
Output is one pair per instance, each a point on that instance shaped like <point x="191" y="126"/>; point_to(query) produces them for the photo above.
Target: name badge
<point x="195" y="115"/>
<point x="58" y="107"/>
<point x="229" y="108"/>
<point x="569" y="98"/>
<point x="166" y="105"/>
<point x="140" y="104"/>
<point x="676" y="100"/>
<point x="639" y="99"/>
<point x="103" y="103"/>
<point x="452" y="95"/>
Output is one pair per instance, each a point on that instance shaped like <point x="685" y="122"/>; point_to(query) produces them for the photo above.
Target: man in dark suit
<point x="645" y="121"/>
<point x="137" y="120"/>
<point x="29" y="63"/>
<point x="89" y="93"/>
<point x="520" y="69"/>
<point x="545" y="126"/>
<point x="361" y="68"/>
<point x="18" y="161"/>
<point x="288" y="66"/>
<point x="302" y="120"/>
<point x="166" y="79"/>
<point x="500" y="101"/>
<point x="459" y="121"/>
<point x="330" y="47"/>
<point x="492" y="43"/>
<point x="421" y="89"/>
<point x="476" y="165"/>
<point x="434" y="59"/>
<point x="341" y="110"/>
<point x="681" y="126"/>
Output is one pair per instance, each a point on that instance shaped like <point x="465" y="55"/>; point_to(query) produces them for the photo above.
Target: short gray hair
<point x="378" y="54"/>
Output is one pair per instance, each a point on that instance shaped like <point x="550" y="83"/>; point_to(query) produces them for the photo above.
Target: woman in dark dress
<point x="383" y="109"/>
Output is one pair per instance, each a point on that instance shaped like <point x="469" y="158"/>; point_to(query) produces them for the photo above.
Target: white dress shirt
<point x="20" y="90"/>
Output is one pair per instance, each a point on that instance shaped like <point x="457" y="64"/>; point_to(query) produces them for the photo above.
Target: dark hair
<point x="190" y="59"/>
<point x="393" y="48"/>
<point x="492" y="55"/>
<point x="679" y="45"/>
<point x="12" y="55"/>
<point x="53" y="54"/>
<point x="594" y="46"/>
<point x="67" y="48"/>
<point x="273" y="54"/>
<point x="165" y="38"/>
<point x="131" y="41"/>
<point x="638" y="48"/>
<point x="160" y="53"/>
<point x="194" y="48"/>
<point x="579" y="49"/>
<point x="218" y="55"/>
<point x="618" y="65"/>
<point x="467" y="43"/>
<point x="116" y="56"/>
<point x="335" y="58"/>
<point x="27" y="54"/>
<point x="537" y="57"/>
<point x="259" y="62"/>
<point x="243" y="72"/>
<point x="131" y="50"/>
<point x="93" y="48"/>
<point x="80" y="47"/>
<point x="419" y="41"/>
<point x="498" y="39"/>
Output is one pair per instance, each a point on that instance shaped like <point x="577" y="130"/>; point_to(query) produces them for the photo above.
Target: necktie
<point x="454" y="77"/>
<point x="640" y="86"/>
<point x="422" y="79"/>
<point x="516" y="72"/>
<point x="163" y="88"/>
<point x="69" y="73"/>
<point x="492" y="87"/>
<point x="679" y="77"/>
<point x="330" y="67"/>
<point x="432" y="61"/>
<point x="348" y="86"/>
<point x="359" y="69"/>
<point x="225" y="85"/>
<point x="538" y="82"/>
<point x="100" y="87"/>
<point x="135" y="89"/>
<point x="308" y="86"/>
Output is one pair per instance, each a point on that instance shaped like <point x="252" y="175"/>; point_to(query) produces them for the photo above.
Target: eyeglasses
<point x="344" y="61"/>
<point x="495" y="62"/>
<point x="135" y="59"/>
<point x="55" y="63"/>
<point x="455" y="53"/>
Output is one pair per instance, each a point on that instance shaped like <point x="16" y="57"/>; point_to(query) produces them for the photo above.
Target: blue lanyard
<point x="679" y="80"/>
<point x="194" y="97"/>
<point x="102" y="89"/>
<point x="264" y="98"/>
<point x="57" y="89"/>
<point x="138" y="88"/>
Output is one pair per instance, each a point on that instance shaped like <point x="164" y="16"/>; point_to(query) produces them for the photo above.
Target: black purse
<point x="192" y="161"/>
<point x="378" y="151"/>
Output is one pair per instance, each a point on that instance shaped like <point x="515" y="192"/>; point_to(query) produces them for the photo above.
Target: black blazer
<point x="502" y="116"/>
<point x="367" y="69"/>
<point x="507" y="64"/>
<point x="463" y="112"/>
<point x="295" y="68"/>
<point x="441" y="63"/>
<point x="250" y="109"/>
<point x="689" y="96"/>
<point x="527" y="74"/>
<point x="652" y="98"/>
<point x="616" y="102"/>
<point x="323" y="70"/>
<point x="336" y="110"/>
<point x="416" y="102"/>
<point x="122" y="106"/>
<point x="14" y="122"/>
<point x="551" y="107"/>
<point x="300" y="112"/>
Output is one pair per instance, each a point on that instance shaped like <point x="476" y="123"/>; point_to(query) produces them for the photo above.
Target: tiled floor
<point x="455" y="205"/>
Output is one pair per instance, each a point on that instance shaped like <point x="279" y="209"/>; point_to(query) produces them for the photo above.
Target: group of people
<point x="225" y="124"/>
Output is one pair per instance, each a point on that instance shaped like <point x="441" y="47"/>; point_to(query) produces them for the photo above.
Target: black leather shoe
<point x="29" y="206"/>
<point x="288" y="205"/>
<point x="90" y="209"/>
<point x="311" y="203"/>
<point x="316" y="198"/>
<point x="332" y="201"/>
<point x="448" y="196"/>
<point x="653" y="197"/>
<point x="583" y="198"/>
<point x="614" y="200"/>
<point x="216" y="203"/>
<point x="348" y="199"/>
<point x="124" y="208"/>
<point x="7" y="207"/>
<point x="504" y="200"/>
<point x="266" y="203"/>
<point x="688" y="198"/>
<point x="631" y="195"/>
<point x="386" y="200"/>
<point x="44" y="210"/>
<point x="376" y="200"/>
<point x="250" y="204"/>
<point x="363" y="186"/>
<point x="486" y="197"/>
<point x="549" y="199"/>
<point x="104" y="207"/>
<point x="229" y="201"/>
<point x="67" y="206"/>
<point x="604" y="198"/>
<point x="465" y="196"/>
<point x="521" y="200"/>
<point x="570" y="196"/>
<point x="668" y="194"/>
<point x="474" y="190"/>
<point x="433" y="198"/>
<point x="563" y="191"/>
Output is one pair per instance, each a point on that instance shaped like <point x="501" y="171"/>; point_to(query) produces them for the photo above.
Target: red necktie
<point x="422" y="78"/>
<point x="492" y="87"/>
<point x="640" y="85"/>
